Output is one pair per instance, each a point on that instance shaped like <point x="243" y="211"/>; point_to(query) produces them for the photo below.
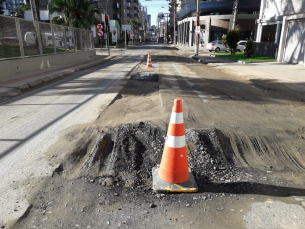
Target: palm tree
<point x="76" y="13"/>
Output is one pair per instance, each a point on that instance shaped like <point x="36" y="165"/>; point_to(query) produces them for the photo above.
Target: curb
<point x="36" y="83"/>
<point x="242" y="62"/>
<point x="195" y="58"/>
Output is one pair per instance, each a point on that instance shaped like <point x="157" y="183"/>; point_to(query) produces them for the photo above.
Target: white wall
<point x="10" y="67"/>
<point x="275" y="8"/>
<point x="44" y="15"/>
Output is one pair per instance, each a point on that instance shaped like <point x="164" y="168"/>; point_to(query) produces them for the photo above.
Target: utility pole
<point x="235" y="11"/>
<point x="197" y="35"/>
<point x="125" y="37"/>
<point x="167" y="30"/>
<point x="174" y="40"/>
<point x="107" y="29"/>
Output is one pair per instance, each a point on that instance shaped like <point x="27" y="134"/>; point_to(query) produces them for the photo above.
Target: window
<point x="268" y="33"/>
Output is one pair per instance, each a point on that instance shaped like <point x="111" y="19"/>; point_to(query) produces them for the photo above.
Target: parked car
<point x="241" y="45"/>
<point x="153" y="39"/>
<point x="216" y="46"/>
<point x="70" y="45"/>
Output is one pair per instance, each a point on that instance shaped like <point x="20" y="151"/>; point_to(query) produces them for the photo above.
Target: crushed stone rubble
<point x="128" y="153"/>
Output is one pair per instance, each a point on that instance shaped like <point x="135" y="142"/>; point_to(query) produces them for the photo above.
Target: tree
<point x="76" y="13"/>
<point x="230" y="40"/>
<point x="135" y="24"/>
<point x="20" y="9"/>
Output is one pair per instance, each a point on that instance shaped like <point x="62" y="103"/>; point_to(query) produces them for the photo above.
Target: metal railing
<point x="21" y="38"/>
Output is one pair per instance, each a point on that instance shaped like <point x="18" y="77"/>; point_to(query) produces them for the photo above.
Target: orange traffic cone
<point x="149" y="61"/>
<point x="174" y="175"/>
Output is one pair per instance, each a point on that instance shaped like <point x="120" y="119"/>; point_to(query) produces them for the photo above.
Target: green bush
<point x="249" y="46"/>
<point x="230" y="40"/>
<point x="121" y="41"/>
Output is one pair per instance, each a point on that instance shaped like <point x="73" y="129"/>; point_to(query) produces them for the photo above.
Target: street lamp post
<point x="107" y="29"/>
<point x="197" y="35"/>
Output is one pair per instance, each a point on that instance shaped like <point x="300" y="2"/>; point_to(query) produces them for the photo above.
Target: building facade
<point x="281" y="29"/>
<point x="216" y="17"/>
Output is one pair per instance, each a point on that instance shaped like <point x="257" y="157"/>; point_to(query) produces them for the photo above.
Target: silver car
<point x="241" y="45"/>
<point x="216" y="46"/>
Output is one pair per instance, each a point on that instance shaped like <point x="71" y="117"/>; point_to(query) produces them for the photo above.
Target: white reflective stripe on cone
<point x="174" y="141"/>
<point x="176" y="118"/>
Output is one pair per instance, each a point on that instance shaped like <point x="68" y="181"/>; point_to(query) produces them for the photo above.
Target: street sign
<point x="100" y="33"/>
<point x="197" y="29"/>
<point x="99" y="26"/>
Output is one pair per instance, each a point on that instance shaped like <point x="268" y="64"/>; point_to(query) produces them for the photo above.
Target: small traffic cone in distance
<point x="149" y="64"/>
<point x="174" y="175"/>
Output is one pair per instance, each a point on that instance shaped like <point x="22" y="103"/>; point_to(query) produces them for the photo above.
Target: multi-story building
<point x="10" y="5"/>
<point x="159" y="18"/>
<point x="281" y="30"/>
<point x="130" y="11"/>
<point x="216" y="17"/>
<point x="149" y="21"/>
<point x="117" y="10"/>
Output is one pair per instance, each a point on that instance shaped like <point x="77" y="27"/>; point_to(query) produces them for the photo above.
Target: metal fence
<point x="18" y="38"/>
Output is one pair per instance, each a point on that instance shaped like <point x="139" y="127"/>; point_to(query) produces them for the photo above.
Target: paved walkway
<point x="13" y="84"/>
<point x="293" y="75"/>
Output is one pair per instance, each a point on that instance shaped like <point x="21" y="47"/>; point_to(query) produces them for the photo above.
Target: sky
<point x="154" y="7"/>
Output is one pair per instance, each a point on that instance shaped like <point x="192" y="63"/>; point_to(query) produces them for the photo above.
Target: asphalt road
<point x="31" y="122"/>
<point x="259" y="127"/>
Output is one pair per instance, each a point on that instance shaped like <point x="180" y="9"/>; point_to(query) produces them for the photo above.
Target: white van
<point x="30" y="38"/>
<point x="46" y="38"/>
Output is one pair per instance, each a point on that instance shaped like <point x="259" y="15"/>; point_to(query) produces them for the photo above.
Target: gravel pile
<point x="124" y="156"/>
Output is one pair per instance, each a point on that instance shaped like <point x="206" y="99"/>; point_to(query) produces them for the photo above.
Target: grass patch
<point x="242" y="57"/>
<point x="99" y="45"/>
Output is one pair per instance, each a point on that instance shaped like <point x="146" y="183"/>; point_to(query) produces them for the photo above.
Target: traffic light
<point x="107" y="23"/>
<point x="106" y="20"/>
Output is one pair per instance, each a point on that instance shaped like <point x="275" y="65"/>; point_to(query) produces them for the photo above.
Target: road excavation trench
<point x="106" y="180"/>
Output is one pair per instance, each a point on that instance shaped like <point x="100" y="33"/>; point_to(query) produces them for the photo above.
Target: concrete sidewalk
<point x="14" y="84"/>
<point x="292" y="75"/>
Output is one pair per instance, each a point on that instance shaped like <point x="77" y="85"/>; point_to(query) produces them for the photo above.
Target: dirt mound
<point x="124" y="156"/>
